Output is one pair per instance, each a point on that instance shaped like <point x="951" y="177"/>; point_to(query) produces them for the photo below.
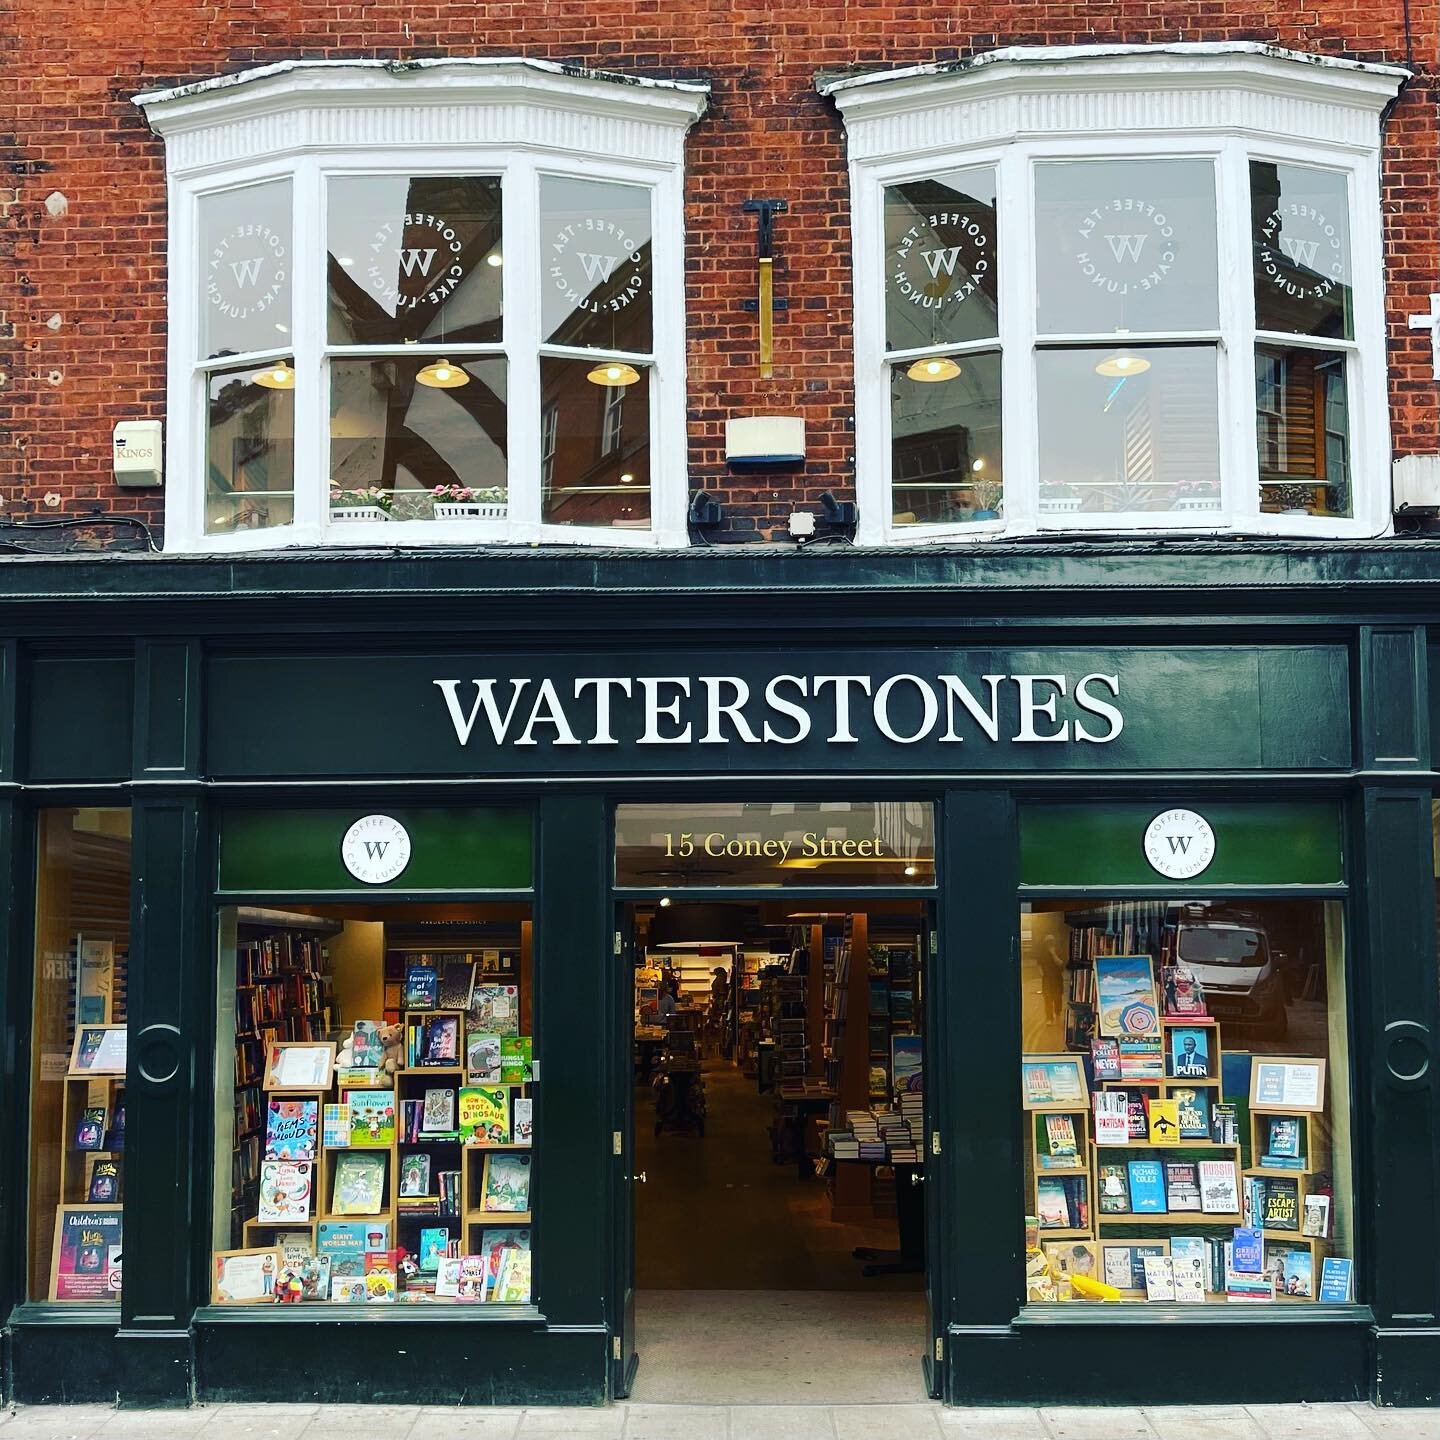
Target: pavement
<point x="719" y="1422"/>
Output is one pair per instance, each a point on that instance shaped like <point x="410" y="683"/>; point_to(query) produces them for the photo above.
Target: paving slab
<point x="1202" y="1422"/>
<point x="983" y="1423"/>
<point x="603" y="1422"/>
<point x="1087" y="1422"/>
<point x="781" y="1422"/>
<point x="677" y="1422"/>
<point x="885" y="1422"/>
<point x="255" y="1422"/>
<point x="1399" y="1424"/>
<point x="1310" y="1422"/>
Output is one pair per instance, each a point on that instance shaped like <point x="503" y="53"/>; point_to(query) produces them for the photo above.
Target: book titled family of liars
<point x="1244" y="1266"/>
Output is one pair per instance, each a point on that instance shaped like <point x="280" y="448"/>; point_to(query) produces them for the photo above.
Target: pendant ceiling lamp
<point x="613" y="373"/>
<point x="280" y="376"/>
<point x="442" y="375"/>
<point x="1121" y="365"/>
<point x="938" y="367"/>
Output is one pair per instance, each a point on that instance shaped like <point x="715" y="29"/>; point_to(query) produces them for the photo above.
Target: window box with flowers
<point x="459" y="502"/>
<point x="350" y="507"/>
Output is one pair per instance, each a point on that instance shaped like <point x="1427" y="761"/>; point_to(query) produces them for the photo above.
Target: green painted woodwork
<point x="1256" y="843"/>
<point x="293" y="851"/>
<point x="79" y="719"/>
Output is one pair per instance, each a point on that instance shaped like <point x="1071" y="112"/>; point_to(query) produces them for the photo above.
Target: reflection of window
<point x="1101" y="289"/>
<point x="385" y="357"/>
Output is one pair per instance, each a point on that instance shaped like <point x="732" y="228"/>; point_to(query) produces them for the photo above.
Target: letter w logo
<point x="246" y="272"/>
<point x="1302" y="252"/>
<point x="1126" y="247"/>
<point x="597" y="267"/>
<point x="1179" y="844"/>
<point x="376" y="849"/>
<point x="938" y="260"/>
<point x="413" y="260"/>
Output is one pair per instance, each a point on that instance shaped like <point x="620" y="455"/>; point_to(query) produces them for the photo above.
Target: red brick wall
<point x="100" y="266"/>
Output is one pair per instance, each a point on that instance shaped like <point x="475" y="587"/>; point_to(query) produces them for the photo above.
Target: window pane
<point x="1151" y="1035"/>
<point x="395" y="439"/>
<point x="414" y="259"/>
<point x="246" y="269"/>
<point x="945" y="454"/>
<point x="595" y="264"/>
<point x="1301" y="227"/>
<point x="1302" y="423"/>
<point x="596" y="470"/>
<point x="77" y="1076"/>
<point x="941" y="276"/>
<point x="250" y="450"/>
<point x="1125" y="245"/>
<point x="1142" y="436"/>
<point x="374" y="1107"/>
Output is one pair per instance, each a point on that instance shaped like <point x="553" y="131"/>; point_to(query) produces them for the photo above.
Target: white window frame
<point x="311" y="121"/>
<point x="1013" y="109"/>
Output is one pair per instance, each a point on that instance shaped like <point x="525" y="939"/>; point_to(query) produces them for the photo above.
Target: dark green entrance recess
<point x="288" y="851"/>
<point x="1099" y="844"/>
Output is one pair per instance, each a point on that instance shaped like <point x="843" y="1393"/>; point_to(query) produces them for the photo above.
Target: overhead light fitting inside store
<point x="679" y="927"/>
<point x="442" y="375"/>
<point x="280" y="376"/>
<point x="937" y="367"/>
<point x="1121" y="365"/>
<point x="613" y="373"/>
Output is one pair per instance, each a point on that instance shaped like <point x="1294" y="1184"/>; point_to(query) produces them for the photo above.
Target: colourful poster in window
<point x="88" y="1252"/>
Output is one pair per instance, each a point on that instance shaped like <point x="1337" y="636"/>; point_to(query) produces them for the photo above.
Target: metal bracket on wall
<point x="765" y="304"/>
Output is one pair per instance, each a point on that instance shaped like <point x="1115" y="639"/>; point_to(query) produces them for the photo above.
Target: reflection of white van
<point x="1237" y="970"/>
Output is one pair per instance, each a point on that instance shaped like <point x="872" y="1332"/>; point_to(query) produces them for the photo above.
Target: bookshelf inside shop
<point x="1181" y="1143"/>
<point x="382" y="1115"/>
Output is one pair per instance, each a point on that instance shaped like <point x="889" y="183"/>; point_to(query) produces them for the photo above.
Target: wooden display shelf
<point x="1066" y="1234"/>
<point x="509" y="1145"/>
<point x="330" y="1217"/>
<point x="1171" y="1217"/>
<point x="507" y="1217"/>
<point x="1181" y="1145"/>
<point x="409" y="1070"/>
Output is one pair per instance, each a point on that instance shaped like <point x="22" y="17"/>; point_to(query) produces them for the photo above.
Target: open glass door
<point x="930" y="982"/>
<point x="623" y="1357"/>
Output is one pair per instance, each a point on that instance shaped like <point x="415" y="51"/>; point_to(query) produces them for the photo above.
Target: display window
<point x="1185" y="1086"/>
<point x="375" y="1085"/>
<point x="78" y="1055"/>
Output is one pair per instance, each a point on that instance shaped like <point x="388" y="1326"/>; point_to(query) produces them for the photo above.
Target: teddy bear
<point x="392" y="1047"/>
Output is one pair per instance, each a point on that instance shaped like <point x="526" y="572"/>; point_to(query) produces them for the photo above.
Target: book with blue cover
<point x="1147" y="1188"/>
<point x="1335" y="1280"/>
<point x="1247" y="1253"/>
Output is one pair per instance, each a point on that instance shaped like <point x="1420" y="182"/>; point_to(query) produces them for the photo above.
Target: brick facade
<point x="83" y="216"/>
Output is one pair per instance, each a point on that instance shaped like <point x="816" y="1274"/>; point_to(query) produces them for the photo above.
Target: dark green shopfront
<point x="1218" y="756"/>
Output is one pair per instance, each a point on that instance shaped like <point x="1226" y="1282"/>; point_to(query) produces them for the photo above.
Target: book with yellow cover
<point x="1164" y="1122"/>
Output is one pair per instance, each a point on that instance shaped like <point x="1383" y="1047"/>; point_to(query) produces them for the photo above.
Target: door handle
<point x="916" y="1178"/>
<point x="640" y="1179"/>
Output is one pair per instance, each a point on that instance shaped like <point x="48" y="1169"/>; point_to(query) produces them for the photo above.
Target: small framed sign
<point x="245" y="1277"/>
<point x="1286" y="1083"/>
<point x="98" y="1050"/>
<point x="86" y="1261"/>
<point x="1054" y="1082"/>
<point x="300" y="1065"/>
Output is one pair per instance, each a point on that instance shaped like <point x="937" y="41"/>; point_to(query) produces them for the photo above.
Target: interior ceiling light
<point x="613" y="373"/>
<point x="279" y="376"/>
<point x="494" y="259"/>
<point x="442" y="375"/>
<point x="1120" y="365"/>
<point x="938" y="367"/>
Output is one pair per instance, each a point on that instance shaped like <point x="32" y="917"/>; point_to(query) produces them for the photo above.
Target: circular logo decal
<point x="1301" y="252"/>
<point x="1127" y="246"/>
<point x="376" y="849"/>
<point x="248" y="272"/>
<point x="941" y="260"/>
<point x="596" y="265"/>
<point x="426" y="266"/>
<point x="1179" y="844"/>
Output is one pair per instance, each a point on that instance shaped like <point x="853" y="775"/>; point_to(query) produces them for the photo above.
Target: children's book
<point x="1282" y="1204"/>
<point x="1147" y="1187"/>
<point x="1189" y="1277"/>
<point x="438" y="1117"/>
<point x="1105" y="1058"/>
<point x="90" y="1131"/>
<point x="104" y="1186"/>
<point x="359" y="1183"/>
<point x="495" y="1010"/>
<point x="346" y="1241"/>
<point x="1335" y="1280"/>
<point x="473" y="1281"/>
<point x="1164" y="1117"/>
<point x="482" y="1058"/>
<point x="1194" y="1105"/>
<point x="372" y="1118"/>
<point x="381" y="1282"/>
<point x="292" y="1129"/>
<point x="366" y="1049"/>
<point x="1159" y="1278"/>
<point x="115" y="1140"/>
<point x="295" y="1247"/>
<point x="415" y="1173"/>
<point x="1247" y="1251"/>
<point x="1315" y="1223"/>
<point x="1125" y="995"/>
<point x="285" y="1191"/>
<point x="495" y="1244"/>
<point x="512" y="1285"/>
<point x="523" y="1126"/>
<point x="507" y="1182"/>
<point x="1182" y="1185"/>
<point x="337" y="1126"/>
<point x="457" y="984"/>
<point x="485" y="1115"/>
<point x="516" y="1059"/>
<point x="447" y="1277"/>
<point x="1114" y="1183"/>
<point x="347" y="1289"/>
<point x="1219" y="1189"/>
<point x="422" y="985"/>
<point x="433" y="1244"/>
<point x="1112" y="1122"/>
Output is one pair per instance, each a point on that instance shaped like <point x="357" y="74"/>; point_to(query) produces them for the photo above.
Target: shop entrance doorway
<point x="777" y="1053"/>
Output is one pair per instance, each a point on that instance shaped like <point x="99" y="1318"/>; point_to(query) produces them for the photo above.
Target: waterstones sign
<point x="825" y="710"/>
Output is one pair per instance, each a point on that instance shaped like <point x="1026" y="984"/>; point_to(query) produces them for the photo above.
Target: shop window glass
<point x="1186" y="1092"/>
<point x="1300" y="218"/>
<point x="77" y="1077"/>
<point x="597" y="471"/>
<point x="375" y="1094"/>
<point x="246" y="270"/>
<point x="1302" y="423"/>
<point x="250" y="449"/>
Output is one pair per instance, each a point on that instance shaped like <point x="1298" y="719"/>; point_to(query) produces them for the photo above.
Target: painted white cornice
<point x="300" y="105"/>
<point x="1022" y="92"/>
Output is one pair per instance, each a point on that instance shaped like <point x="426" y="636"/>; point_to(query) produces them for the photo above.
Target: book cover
<point x="516" y="1059"/>
<point x="1189" y="1052"/>
<point x="1282" y="1204"/>
<point x="1164" y="1117"/>
<point x="1291" y="1270"/>
<point x="372" y="1118"/>
<point x="314" y="1276"/>
<point x="1184" y="995"/>
<point x="1284" y="1138"/>
<point x="434" y="1242"/>
<point x="457" y="984"/>
<point x="104" y="1185"/>
<point x="1147" y="1187"/>
<point x="295" y="1247"/>
<point x="115" y="1140"/>
<point x="473" y="1280"/>
<point x="292" y="1129"/>
<point x="1189" y="1276"/>
<point x="1125" y="995"/>
<point x="1123" y="1265"/>
<point x="1060" y="1134"/>
<point x="1054" y="1206"/>
<point x="415" y="1173"/>
<point x="438" y="1116"/>
<point x="495" y="1244"/>
<point x="447" y="1277"/>
<point x="507" y="1183"/>
<point x="1159" y="1278"/>
<point x="1142" y="1059"/>
<point x="422" y="985"/>
<point x="90" y="1129"/>
<point x="512" y="1285"/>
<point x="381" y="1281"/>
<point x="1242" y="1286"/>
<point x="346" y="1241"/>
<point x="1335" y="1280"/>
<point x="484" y="1115"/>
<point x="1315" y="1222"/>
<point x="1182" y="1185"/>
<point x="482" y="1058"/>
<point x="1252" y="1200"/>
<point x="1188" y="1247"/>
<point x="1112" y="1119"/>
<point x="359" y="1183"/>
<point x="1247" y="1251"/>
<point x="523" y="1128"/>
<point x="285" y="1191"/>
<point x="1114" y="1183"/>
<point x="336" y="1126"/>
<point x="1105" y="1058"/>
<point x="495" y="1009"/>
<point x="347" y="1289"/>
<point x="1194" y="1106"/>
<point x="1219" y="1188"/>
<point x="1224" y="1124"/>
<point x="1136" y="1114"/>
<point x="440" y="1041"/>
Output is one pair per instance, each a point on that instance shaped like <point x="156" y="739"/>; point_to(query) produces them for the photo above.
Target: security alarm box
<point x="139" y="459"/>
<point x="765" y="440"/>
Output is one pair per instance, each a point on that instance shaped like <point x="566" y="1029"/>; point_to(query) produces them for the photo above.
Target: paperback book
<point x="1125" y="995"/>
<point x="517" y="1064"/>
<point x="1182" y="1185"/>
<point x="1219" y="1189"/>
<point x="1159" y="1278"/>
<point x="1164" y="1118"/>
<point x="1112" y="1122"/>
<point x="285" y="1191"/>
<point x="438" y="1116"/>
<point x="90" y="1130"/>
<point x="372" y="1118"/>
<point x="415" y="1173"/>
<point x="1114" y="1183"/>
<point x="484" y="1115"/>
<point x="422" y="986"/>
<point x="1105" y="1058"/>
<point x="292" y="1129"/>
<point x="1194" y="1109"/>
<point x="1147" y="1187"/>
<point x="336" y="1120"/>
<point x="523" y="1120"/>
<point x="1282" y="1204"/>
<point x="482" y="1058"/>
<point x="359" y="1183"/>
